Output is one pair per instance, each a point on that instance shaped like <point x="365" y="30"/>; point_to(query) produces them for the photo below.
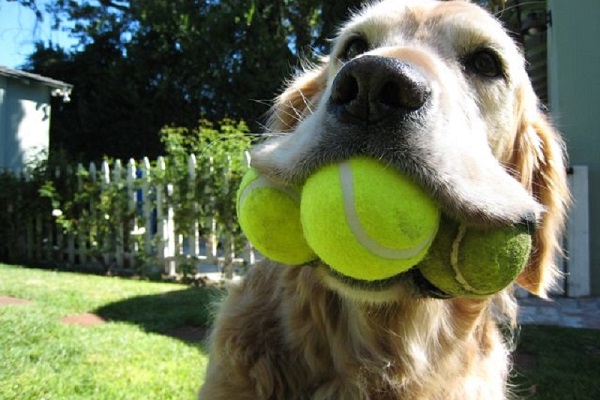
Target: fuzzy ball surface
<point x="366" y="221"/>
<point x="470" y="262"/>
<point x="269" y="215"/>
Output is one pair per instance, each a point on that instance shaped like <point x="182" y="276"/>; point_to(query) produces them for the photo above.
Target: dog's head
<point x="439" y="91"/>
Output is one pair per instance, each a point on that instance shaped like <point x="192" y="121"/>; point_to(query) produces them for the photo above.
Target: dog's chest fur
<point x="301" y="341"/>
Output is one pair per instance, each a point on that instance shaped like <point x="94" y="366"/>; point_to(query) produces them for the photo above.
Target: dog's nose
<point x="373" y="88"/>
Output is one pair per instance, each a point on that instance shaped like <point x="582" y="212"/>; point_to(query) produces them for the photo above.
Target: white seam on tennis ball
<point x="260" y="182"/>
<point x="458" y="276"/>
<point x="357" y="229"/>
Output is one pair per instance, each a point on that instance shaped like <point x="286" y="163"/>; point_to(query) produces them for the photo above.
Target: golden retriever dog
<point x="439" y="91"/>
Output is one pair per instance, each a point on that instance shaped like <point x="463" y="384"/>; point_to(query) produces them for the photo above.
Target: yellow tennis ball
<point x="469" y="262"/>
<point x="269" y="215"/>
<point x="367" y="221"/>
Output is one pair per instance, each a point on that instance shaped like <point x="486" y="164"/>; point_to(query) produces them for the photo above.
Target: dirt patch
<point x="190" y="334"/>
<point x="85" y="319"/>
<point x="13" y="301"/>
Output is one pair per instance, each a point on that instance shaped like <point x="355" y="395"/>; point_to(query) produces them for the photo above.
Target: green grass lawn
<point x="564" y="363"/>
<point x="128" y="358"/>
<point x="133" y="357"/>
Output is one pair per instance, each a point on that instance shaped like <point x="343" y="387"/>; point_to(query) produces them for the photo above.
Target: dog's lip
<point x="474" y="204"/>
<point x="412" y="277"/>
<point x="379" y="284"/>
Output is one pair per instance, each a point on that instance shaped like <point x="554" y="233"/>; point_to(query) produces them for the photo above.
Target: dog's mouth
<point x="483" y="197"/>
<point x="461" y="262"/>
<point x="471" y="188"/>
<point x="495" y="201"/>
<point x="412" y="279"/>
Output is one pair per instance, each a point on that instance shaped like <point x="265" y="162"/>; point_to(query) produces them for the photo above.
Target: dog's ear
<point x="538" y="159"/>
<point x="298" y="100"/>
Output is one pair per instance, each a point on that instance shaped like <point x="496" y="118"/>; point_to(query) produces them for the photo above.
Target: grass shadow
<point x="557" y="363"/>
<point x="183" y="314"/>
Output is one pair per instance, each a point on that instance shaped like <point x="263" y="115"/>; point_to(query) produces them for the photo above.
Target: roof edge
<point x="60" y="88"/>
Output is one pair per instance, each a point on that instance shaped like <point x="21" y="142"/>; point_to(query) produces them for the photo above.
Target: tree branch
<point x="112" y="4"/>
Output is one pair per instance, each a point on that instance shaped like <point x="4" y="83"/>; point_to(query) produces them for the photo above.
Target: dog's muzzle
<point x="370" y="89"/>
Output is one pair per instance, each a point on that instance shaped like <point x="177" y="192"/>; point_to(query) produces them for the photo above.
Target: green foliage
<point x="20" y="202"/>
<point x="139" y="66"/>
<point x="101" y="212"/>
<point x="142" y="65"/>
<point x="89" y="208"/>
<point x="219" y="152"/>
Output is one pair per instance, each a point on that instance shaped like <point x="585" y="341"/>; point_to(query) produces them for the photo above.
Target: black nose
<point x="373" y="88"/>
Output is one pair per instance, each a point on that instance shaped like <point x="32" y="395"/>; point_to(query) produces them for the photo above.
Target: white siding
<point x="24" y="121"/>
<point x="573" y="63"/>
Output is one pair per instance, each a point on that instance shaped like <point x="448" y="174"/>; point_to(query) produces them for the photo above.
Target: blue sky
<point x="19" y="31"/>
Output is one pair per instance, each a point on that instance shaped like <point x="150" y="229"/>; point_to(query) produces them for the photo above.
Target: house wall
<point x="24" y="121"/>
<point x="574" y="75"/>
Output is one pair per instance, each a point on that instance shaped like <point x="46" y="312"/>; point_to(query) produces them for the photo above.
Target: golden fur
<point x="301" y="333"/>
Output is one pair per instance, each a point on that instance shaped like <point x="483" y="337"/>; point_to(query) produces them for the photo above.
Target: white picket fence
<point x="148" y="234"/>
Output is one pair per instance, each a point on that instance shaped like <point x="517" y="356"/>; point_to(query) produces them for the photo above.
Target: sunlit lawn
<point x="133" y="357"/>
<point x="130" y="357"/>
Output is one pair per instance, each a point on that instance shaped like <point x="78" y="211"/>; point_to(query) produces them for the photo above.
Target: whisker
<point x="307" y="102"/>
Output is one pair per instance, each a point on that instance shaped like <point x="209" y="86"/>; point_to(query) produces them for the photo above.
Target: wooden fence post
<point x="119" y="220"/>
<point x="93" y="211"/>
<point x="104" y="183"/>
<point x="160" y="219"/>
<point x="147" y="206"/>
<point x="211" y="242"/>
<point x="81" y="236"/>
<point x="132" y="230"/>
<point x="193" y="239"/>
<point x="166" y="225"/>
<point x="171" y="238"/>
<point x="228" y="243"/>
<point x="59" y="254"/>
<point x="70" y="238"/>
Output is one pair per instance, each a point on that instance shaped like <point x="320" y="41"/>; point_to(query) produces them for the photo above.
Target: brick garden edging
<point x="13" y="301"/>
<point x="85" y="319"/>
<point x="188" y="334"/>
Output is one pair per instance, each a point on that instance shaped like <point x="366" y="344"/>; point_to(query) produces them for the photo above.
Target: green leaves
<point x="115" y="209"/>
<point x="143" y="65"/>
<point x="219" y="154"/>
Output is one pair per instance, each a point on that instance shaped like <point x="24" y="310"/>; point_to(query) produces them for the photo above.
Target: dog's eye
<point x="354" y="48"/>
<point x="484" y="63"/>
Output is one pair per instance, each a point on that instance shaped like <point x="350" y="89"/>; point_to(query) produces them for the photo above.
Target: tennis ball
<point x="367" y="221"/>
<point x="269" y="215"/>
<point x="469" y="262"/>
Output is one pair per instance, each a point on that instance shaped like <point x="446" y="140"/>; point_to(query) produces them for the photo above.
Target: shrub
<point x="197" y="177"/>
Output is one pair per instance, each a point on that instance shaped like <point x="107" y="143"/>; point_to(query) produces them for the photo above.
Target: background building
<point x="25" y="115"/>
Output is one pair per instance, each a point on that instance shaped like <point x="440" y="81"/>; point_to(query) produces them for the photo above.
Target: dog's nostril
<point x="390" y="95"/>
<point x="406" y="95"/>
<point x="346" y="90"/>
